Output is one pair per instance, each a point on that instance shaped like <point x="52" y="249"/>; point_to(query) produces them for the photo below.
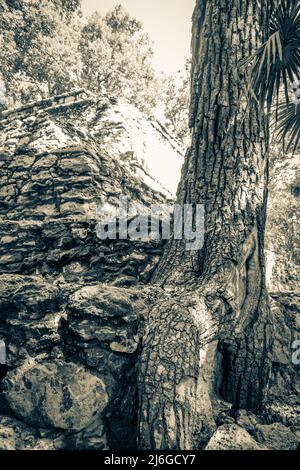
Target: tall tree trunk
<point x="218" y="292"/>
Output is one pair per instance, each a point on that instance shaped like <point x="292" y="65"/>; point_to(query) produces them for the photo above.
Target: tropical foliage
<point x="274" y="70"/>
<point x="116" y="57"/>
<point x="175" y="102"/>
<point x="38" y="56"/>
<point x="47" y="48"/>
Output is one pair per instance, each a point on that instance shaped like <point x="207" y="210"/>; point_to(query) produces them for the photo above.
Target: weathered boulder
<point x="97" y="326"/>
<point x="232" y="437"/>
<point x="247" y="420"/>
<point x="57" y="395"/>
<point x="277" y="437"/>
<point x="104" y="302"/>
<point x="23" y="297"/>
<point x="285" y="410"/>
<point x="15" y="435"/>
<point x="7" y="437"/>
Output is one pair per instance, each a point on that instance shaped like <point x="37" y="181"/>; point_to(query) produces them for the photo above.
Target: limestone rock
<point x="232" y="437"/>
<point x="31" y="294"/>
<point x="282" y="240"/>
<point x="277" y="437"/>
<point x="247" y="420"/>
<point x="57" y="395"/>
<point x="101" y="301"/>
<point x="7" y="437"/>
<point x="15" y="435"/>
<point x="285" y="411"/>
<point x="77" y="164"/>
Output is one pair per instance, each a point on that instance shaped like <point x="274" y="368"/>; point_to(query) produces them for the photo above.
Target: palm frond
<point x="277" y="61"/>
<point x="288" y="126"/>
<point x="274" y="67"/>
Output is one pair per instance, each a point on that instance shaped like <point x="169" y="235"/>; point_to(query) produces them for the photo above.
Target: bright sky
<point x="167" y="22"/>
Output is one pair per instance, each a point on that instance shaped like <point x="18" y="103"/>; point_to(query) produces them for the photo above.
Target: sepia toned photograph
<point x="149" y="228"/>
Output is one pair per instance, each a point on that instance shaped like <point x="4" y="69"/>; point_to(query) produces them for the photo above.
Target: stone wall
<point x="54" y="176"/>
<point x="72" y="334"/>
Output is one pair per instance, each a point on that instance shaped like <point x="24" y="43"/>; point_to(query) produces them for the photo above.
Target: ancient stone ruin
<point x="72" y="307"/>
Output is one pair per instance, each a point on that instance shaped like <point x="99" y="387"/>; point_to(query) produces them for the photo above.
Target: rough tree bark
<point x="218" y="292"/>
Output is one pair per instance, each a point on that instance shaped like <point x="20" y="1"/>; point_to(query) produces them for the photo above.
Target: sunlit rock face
<point x="283" y="242"/>
<point x="71" y="305"/>
<point x="159" y="156"/>
<point x="63" y="162"/>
